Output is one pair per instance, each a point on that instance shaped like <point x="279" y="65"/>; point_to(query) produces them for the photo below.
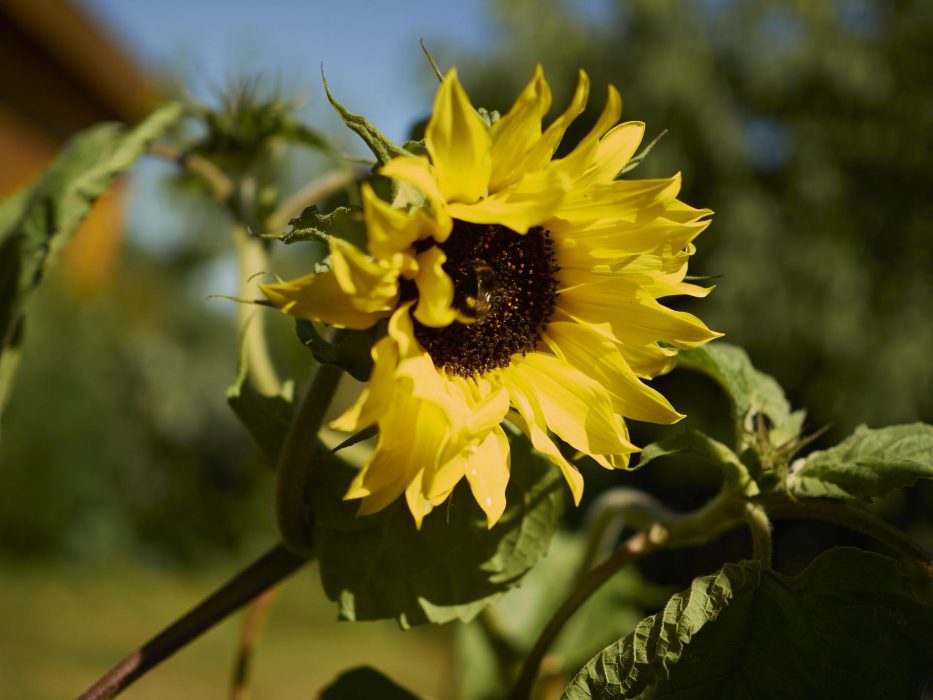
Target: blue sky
<point x="369" y="49"/>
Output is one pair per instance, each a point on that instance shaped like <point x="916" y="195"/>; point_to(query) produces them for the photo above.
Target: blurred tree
<point x="808" y="128"/>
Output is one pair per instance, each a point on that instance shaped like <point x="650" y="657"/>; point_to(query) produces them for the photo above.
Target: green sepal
<point x="381" y="566"/>
<point x="349" y="350"/>
<point x="381" y="145"/>
<point x="867" y="464"/>
<point x="266" y="418"/>
<point x="312" y="225"/>
<point x="365" y="683"/>
<point x="848" y="627"/>
<point x="696" y="443"/>
<point x="751" y="392"/>
<point x="35" y="225"/>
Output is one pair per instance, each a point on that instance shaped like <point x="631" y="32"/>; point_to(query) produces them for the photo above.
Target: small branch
<point x="642" y="543"/>
<point x="297" y="457"/>
<point x="268" y="570"/>
<point x="221" y="186"/>
<point x="255" y="619"/>
<point x="315" y="191"/>
<point x="854" y="519"/>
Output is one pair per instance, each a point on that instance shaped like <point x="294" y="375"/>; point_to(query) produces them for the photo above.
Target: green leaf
<point x="35" y="225"/>
<point x="381" y="566"/>
<point x="751" y="392"/>
<point x="365" y="683"/>
<point x="311" y="225"/>
<point x="700" y="445"/>
<point x="349" y="350"/>
<point x="868" y="463"/>
<point x="266" y="418"/>
<point x="848" y="627"/>
<point x="381" y="145"/>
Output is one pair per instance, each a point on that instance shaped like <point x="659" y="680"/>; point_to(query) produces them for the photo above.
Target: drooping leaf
<point x="848" y="627"/>
<point x="751" y="392"/>
<point x="700" y="445"/>
<point x="266" y="418"/>
<point x="35" y="225"/>
<point x="349" y="350"/>
<point x="868" y="463"/>
<point x="381" y="566"/>
<point x="311" y="225"/>
<point x="365" y="683"/>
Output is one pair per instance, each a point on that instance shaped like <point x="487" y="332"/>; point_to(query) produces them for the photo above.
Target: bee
<point x="477" y="305"/>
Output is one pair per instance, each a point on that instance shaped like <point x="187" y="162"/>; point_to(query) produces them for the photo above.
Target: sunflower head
<point x="517" y="286"/>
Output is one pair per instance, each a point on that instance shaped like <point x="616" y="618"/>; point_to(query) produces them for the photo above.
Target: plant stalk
<point x="269" y="569"/>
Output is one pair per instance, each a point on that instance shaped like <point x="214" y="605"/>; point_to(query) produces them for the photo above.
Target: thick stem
<point x="268" y="570"/>
<point x="296" y="459"/>
<point x="854" y="519"/>
<point x="256" y="617"/>
<point x="253" y="259"/>
<point x="760" y="528"/>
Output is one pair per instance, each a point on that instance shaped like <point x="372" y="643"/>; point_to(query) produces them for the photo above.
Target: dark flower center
<point x="507" y="282"/>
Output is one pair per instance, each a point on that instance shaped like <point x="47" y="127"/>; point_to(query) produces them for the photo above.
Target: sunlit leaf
<point x="36" y="225"/>
<point x="848" y="627"/>
<point x="381" y="566"/>
<point x="312" y="225"/>
<point x="868" y="463"/>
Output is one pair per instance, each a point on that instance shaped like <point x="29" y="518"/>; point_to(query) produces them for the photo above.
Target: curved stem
<point x="258" y="612"/>
<point x="858" y="520"/>
<point x="642" y="543"/>
<point x="760" y="528"/>
<point x="252" y="259"/>
<point x="221" y="186"/>
<point x="296" y="459"/>
<point x="268" y="570"/>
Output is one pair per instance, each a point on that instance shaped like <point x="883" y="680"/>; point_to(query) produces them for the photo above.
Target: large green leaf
<point x="848" y="627"/>
<point x="349" y="350"/>
<point x="751" y="392"/>
<point x="381" y="566"/>
<point x="365" y="683"/>
<point x="36" y="225"/>
<point x="866" y="464"/>
<point x="381" y="145"/>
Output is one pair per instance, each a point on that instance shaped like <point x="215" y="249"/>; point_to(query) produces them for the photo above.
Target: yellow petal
<point x="376" y="397"/>
<point x="435" y="290"/>
<point x="529" y="202"/>
<point x="614" y="151"/>
<point x="600" y="358"/>
<point x="320" y="297"/>
<point x="540" y="154"/>
<point x="371" y="286"/>
<point x="621" y="199"/>
<point x="575" y="407"/>
<point x="418" y="172"/>
<point x="535" y="427"/>
<point x="576" y="162"/>
<point x="389" y="230"/>
<point x="487" y="471"/>
<point x="458" y="142"/>
<point x="516" y="132"/>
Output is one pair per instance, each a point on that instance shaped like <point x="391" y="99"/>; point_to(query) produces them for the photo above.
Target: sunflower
<point x="517" y="286"/>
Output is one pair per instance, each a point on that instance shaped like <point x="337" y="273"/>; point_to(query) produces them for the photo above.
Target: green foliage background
<point x="806" y="126"/>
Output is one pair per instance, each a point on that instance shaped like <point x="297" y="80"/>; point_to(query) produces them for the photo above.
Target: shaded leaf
<point x="266" y="418"/>
<point x="365" y="683"/>
<point x="380" y="566"/>
<point x="349" y="350"/>
<point x="35" y="225"/>
<point x="847" y="627"/>
<point x="751" y="392"/>
<point x="700" y="445"/>
<point x="866" y="464"/>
